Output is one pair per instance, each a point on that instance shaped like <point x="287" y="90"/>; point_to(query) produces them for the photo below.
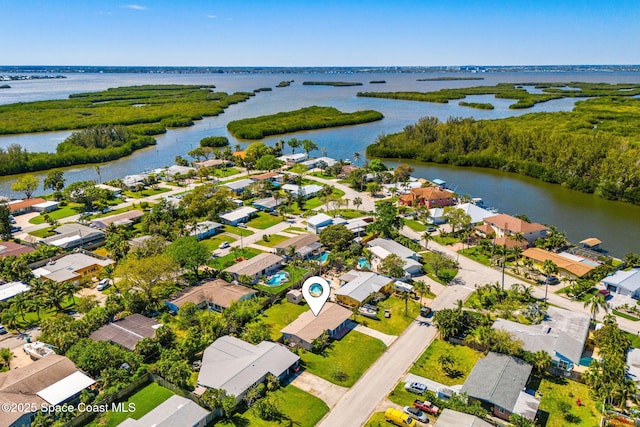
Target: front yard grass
<point x="145" y="400"/>
<point x="264" y="220"/>
<point x="64" y="212"/>
<point x="280" y="315"/>
<point x="445" y="240"/>
<point x="476" y="254"/>
<point x="402" y="397"/>
<point x="298" y="408"/>
<point x="560" y="394"/>
<point x="145" y="193"/>
<point x="230" y="259"/>
<point x="274" y="239"/>
<point x="427" y="365"/>
<point x="238" y="231"/>
<point x="398" y="321"/>
<point x="415" y="225"/>
<point x="214" y="242"/>
<point x="43" y="232"/>
<point x="345" y="360"/>
<point x="377" y="420"/>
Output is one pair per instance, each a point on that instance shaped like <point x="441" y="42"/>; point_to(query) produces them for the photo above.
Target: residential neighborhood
<point x="181" y="288"/>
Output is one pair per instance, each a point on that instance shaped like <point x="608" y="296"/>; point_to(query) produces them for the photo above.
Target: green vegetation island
<point x="374" y="82"/>
<point x="262" y="89"/>
<point x="593" y="149"/>
<point x="285" y="83"/>
<point x="113" y="123"/>
<point x="303" y="119"/>
<point x="332" y="83"/>
<point x="5" y="87"/>
<point x="519" y="93"/>
<point x="477" y="105"/>
<point x="448" y="79"/>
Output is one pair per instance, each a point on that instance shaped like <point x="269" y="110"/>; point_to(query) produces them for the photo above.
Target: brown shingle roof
<point x="309" y="327"/>
<point x="254" y="265"/>
<point x="576" y="268"/>
<point x="486" y="229"/>
<point x="513" y="224"/>
<point x="509" y="242"/>
<point x="13" y="249"/>
<point x="264" y="176"/>
<point x="127" y="332"/>
<point x="299" y="241"/>
<point x="218" y="292"/>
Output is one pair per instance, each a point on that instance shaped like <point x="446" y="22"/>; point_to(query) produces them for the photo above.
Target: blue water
<point x="323" y="257"/>
<point x="364" y="264"/>
<point x="278" y="278"/>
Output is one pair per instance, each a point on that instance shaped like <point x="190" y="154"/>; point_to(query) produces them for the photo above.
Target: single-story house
<point x="71" y="267"/>
<point x="11" y="289"/>
<point x="562" y="334"/>
<point x="624" y="282"/>
<point x="359" y="286"/>
<point x="212" y="163"/>
<point x="174" y="170"/>
<point x="73" y="235"/>
<point x="175" y="411"/>
<point x="263" y="264"/>
<point x="431" y="197"/>
<point x="47" y="206"/>
<point x="382" y="248"/>
<point x="240" y="185"/>
<point x="268" y="204"/>
<point x="568" y="265"/>
<point x="305" y="245"/>
<point x="136" y="180"/>
<point x="499" y="380"/>
<point x="214" y="294"/>
<point x="507" y="225"/>
<point x="358" y="225"/>
<point x="267" y="176"/>
<point x="52" y="380"/>
<point x="19" y="207"/>
<point x="137" y="242"/>
<point x="316" y="223"/>
<point x="293" y="158"/>
<point x="13" y="249"/>
<point x="205" y="229"/>
<point x="128" y="331"/>
<point x="115" y="191"/>
<point x="305" y="191"/>
<point x="314" y="163"/>
<point x="508" y="242"/>
<point x="451" y="418"/>
<point x="237" y="216"/>
<point x="332" y="319"/>
<point x="477" y="213"/>
<point x="125" y="218"/>
<point x="633" y="365"/>
<point x="234" y="366"/>
<point x="346" y="170"/>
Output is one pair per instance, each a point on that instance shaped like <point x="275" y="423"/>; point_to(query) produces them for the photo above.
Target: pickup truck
<point x="426" y="406"/>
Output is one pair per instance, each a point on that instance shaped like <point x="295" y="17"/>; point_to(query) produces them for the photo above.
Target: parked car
<point x="425" y="311"/>
<point x="3" y="330"/>
<point x="224" y="245"/>
<point x="605" y="293"/>
<point x="416" y="413"/>
<point x="415" y="387"/>
<point x="15" y="228"/>
<point x="103" y="284"/>
<point x="431" y="229"/>
<point x="552" y="280"/>
<point x="399" y="418"/>
<point x="242" y="225"/>
<point x="426" y="406"/>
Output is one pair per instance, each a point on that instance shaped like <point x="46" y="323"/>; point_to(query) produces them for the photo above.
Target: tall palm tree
<point x="595" y="304"/>
<point x="357" y="202"/>
<point x="405" y="297"/>
<point x="421" y="288"/>
<point x="19" y="303"/>
<point x="426" y="236"/>
<point x="356" y="158"/>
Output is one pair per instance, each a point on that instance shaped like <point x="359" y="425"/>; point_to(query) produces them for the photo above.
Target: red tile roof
<point x="13" y="249"/>
<point x="513" y="224"/>
<point x="25" y="204"/>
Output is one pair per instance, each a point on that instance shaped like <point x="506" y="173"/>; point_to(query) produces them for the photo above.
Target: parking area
<point x="15" y="343"/>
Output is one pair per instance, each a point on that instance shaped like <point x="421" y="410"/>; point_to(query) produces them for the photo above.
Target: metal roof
<point x="175" y="411"/>
<point x="364" y="284"/>
<point x="65" y="388"/>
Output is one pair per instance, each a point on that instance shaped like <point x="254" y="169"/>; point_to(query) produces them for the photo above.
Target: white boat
<point x="368" y="312"/>
<point x="38" y="350"/>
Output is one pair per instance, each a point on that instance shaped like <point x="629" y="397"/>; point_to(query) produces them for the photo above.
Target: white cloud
<point x="133" y="6"/>
<point x="211" y="16"/>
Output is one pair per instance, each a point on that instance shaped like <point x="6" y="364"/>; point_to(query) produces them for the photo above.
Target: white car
<point x="224" y="245"/>
<point x="103" y="284"/>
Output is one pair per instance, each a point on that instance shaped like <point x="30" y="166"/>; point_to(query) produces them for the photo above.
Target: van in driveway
<point x="399" y="418"/>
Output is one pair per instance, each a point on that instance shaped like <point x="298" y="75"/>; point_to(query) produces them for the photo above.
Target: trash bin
<point x="28" y="339"/>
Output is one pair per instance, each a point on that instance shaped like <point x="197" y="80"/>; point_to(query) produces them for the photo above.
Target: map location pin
<point x="315" y="291"/>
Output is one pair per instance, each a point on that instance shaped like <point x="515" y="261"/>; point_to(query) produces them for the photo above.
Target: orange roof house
<point x="507" y="225"/>
<point x="569" y="266"/>
<point x="23" y="206"/>
<point x="431" y="197"/>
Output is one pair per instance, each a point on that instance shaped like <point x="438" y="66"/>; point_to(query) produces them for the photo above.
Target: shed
<point x="294" y="296"/>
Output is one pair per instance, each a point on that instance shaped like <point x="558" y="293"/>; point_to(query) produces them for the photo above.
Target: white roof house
<point x="238" y="215"/>
<point x="71" y="267"/>
<point x="477" y="213"/>
<point x="393" y="247"/>
<point x="175" y="411"/>
<point x="11" y="289"/>
<point x="313" y="163"/>
<point x="293" y="158"/>
<point x="306" y="191"/>
<point x="233" y="365"/>
<point x="134" y="180"/>
<point x="317" y="222"/>
<point x="624" y="282"/>
<point x="71" y="235"/>
<point x="239" y="185"/>
<point x="62" y="390"/>
<point x="360" y="285"/>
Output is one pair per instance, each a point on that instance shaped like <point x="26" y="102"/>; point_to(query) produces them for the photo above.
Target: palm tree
<point x="405" y="297"/>
<point x="541" y="361"/>
<point x="548" y="268"/>
<point x="357" y="202"/>
<point x="421" y="288"/>
<point x="19" y="303"/>
<point x="596" y="303"/>
<point x="356" y="157"/>
<point x="426" y="236"/>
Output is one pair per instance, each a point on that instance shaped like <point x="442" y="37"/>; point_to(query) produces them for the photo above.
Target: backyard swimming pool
<point x="277" y="279"/>
<point x="363" y="264"/>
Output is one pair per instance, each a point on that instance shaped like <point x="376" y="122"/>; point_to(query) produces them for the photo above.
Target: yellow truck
<point x="399" y="418"/>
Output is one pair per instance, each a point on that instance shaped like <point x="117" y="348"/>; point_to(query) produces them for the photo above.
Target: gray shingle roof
<point x="393" y="247"/>
<point x="498" y="379"/>
<point x="255" y="265"/>
<point x="175" y="411"/>
<point x="128" y="331"/>
<point x="364" y="284"/>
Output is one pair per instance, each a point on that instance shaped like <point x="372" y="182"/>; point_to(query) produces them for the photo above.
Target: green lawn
<point x="274" y="239"/>
<point x="64" y="212"/>
<point x="238" y="231"/>
<point x="635" y="339"/>
<point x="145" y="400"/>
<point x="145" y="193"/>
<point x="230" y="259"/>
<point x="625" y="315"/>
<point x="398" y="321"/>
<point x="225" y="172"/>
<point x="445" y="240"/>
<point x="323" y="175"/>
<point x="214" y="242"/>
<point x="349" y="213"/>
<point x="345" y="360"/>
<point x="402" y="397"/>
<point x="298" y="408"/>
<point x="558" y="392"/>
<point x="476" y="255"/>
<point x="377" y="420"/>
<point x="43" y="232"/>
<point x="427" y="365"/>
<point x="415" y="225"/>
<point x="300" y="229"/>
<point x="295" y="274"/>
<point x="280" y="315"/>
<point x="264" y="220"/>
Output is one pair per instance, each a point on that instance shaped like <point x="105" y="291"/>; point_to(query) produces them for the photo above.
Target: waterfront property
<point x="233" y="365"/>
<point x="359" y="286"/>
<point x="214" y="295"/>
<point x="237" y="216"/>
<point x="128" y="331"/>
<point x="477" y="213"/>
<point x="73" y="235"/>
<point x="53" y="380"/>
<point x="562" y="334"/>
<point x="293" y="158"/>
<point x="332" y="319"/>
<point x="314" y="163"/>
<point x="568" y="265"/>
<point x="499" y="380"/>
<point x="431" y="197"/>
<point x="115" y="191"/>
<point x="72" y="267"/>
<point x="19" y="207"/>
<point x="507" y="225"/>
<point x="212" y="163"/>
<point x="624" y="282"/>
<point x="174" y="411"/>
<point x="261" y="265"/>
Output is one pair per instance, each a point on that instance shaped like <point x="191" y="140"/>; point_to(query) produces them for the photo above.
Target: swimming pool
<point x="277" y="279"/>
<point x="323" y="257"/>
<point x="364" y="264"/>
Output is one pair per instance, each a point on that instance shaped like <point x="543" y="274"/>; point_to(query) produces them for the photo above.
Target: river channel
<point x="580" y="215"/>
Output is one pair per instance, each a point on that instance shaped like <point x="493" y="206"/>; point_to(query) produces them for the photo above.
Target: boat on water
<point x="368" y="312"/>
<point x="38" y="350"/>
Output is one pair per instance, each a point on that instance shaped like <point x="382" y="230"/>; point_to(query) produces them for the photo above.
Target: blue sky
<point x="319" y="33"/>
